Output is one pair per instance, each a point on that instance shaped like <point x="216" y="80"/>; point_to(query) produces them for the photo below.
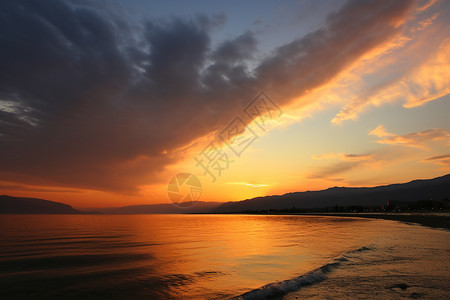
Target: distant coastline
<point x="434" y="219"/>
<point x="424" y="202"/>
<point x="430" y="219"/>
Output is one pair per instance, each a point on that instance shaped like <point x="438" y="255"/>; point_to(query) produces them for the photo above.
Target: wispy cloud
<point x="254" y="185"/>
<point x="341" y="163"/>
<point x="442" y="160"/>
<point x="439" y="157"/>
<point x="380" y="132"/>
<point x="384" y="76"/>
<point x="5" y="186"/>
<point x="344" y="156"/>
<point x="414" y="139"/>
<point x="329" y="172"/>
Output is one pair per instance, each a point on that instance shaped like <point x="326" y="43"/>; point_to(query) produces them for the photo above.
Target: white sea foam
<point x="283" y="287"/>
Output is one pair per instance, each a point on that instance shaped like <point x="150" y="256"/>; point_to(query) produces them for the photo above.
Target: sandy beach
<point x="395" y="272"/>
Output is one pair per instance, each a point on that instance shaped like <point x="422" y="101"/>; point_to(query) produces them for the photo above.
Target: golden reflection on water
<point x="180" y="255"/>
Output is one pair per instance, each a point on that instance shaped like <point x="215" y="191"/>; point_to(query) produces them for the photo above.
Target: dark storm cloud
<point x="87" y="100"/>
<point x="85" y="104"/>
<point x="242" y="47"/>
<point x="314" y="59"/>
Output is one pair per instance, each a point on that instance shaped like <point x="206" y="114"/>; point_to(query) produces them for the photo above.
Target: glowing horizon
<point x="360" y="93"/>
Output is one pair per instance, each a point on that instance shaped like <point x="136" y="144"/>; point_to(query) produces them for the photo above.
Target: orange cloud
<point x="429" y="81"/>
<point x="426" y="5"/>
<point x="414" y="139"/>
<point x="385" y="76"/>
<point x="380" y="132"/>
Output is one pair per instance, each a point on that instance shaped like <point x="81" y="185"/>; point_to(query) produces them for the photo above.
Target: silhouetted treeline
<point x="391" y="206"/>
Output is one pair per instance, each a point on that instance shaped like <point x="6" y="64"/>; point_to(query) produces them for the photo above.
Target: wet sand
<point x="418" y="270"/>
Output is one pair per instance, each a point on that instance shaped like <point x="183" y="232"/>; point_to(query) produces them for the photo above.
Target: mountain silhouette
<point x="416" y="190"/>
<point x="19" y="205"/>
<point x="198" y="207"/>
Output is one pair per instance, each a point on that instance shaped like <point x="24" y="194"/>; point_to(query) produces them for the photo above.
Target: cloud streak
<point x="380" y="132"/>
<point x="343" y="163"/>
<point x="254" y="185"/>
<point x="384" y="77"/>
<point x="344" y="156"/>
<point x="414" y="139"/>
<point x="440" y="160"/>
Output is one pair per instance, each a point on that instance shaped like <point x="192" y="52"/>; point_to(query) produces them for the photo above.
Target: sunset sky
<point x="103" y="102"/>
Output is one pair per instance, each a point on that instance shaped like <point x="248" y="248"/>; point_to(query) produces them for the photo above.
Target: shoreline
<point x="433" y="220"/>
<point x="429" y="220"/>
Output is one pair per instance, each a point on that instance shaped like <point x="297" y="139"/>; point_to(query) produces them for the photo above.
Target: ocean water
<point x="220" y="257"/>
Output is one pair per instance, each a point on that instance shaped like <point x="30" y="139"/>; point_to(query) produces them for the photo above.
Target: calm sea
<point x="219" y="256"/>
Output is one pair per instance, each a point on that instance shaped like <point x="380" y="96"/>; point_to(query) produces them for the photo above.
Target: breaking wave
<point x="283" y="287"/>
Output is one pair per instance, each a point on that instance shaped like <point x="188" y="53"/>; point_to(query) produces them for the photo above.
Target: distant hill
<point x="198" y="207"/>
<point x="417" y="190"/>
<point x="18" y="205"/>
